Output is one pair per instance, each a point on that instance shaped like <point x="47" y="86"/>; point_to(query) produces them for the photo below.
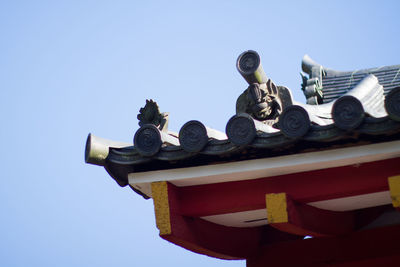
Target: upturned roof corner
<point x="343" y="108"/>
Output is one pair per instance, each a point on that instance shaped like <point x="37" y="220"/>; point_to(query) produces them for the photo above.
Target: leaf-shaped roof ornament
<point x="150" y="114"/>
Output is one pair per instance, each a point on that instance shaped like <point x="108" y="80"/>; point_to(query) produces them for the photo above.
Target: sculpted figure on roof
<point x="262" y="100"/>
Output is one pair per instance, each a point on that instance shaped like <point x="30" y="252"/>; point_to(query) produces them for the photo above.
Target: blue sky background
<point x="68" y="68"/>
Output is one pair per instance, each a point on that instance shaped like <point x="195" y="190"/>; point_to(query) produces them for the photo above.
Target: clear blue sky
<point x="68" y="68"/>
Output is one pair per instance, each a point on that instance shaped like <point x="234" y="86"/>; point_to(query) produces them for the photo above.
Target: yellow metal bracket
<point x="159" y="192"/>
<point x="276" y="208"/>
<point x="394" y="187"/>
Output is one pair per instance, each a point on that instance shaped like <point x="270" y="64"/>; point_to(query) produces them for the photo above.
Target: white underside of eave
<point x="266" y="167"/>
<point x="258" y="217"/>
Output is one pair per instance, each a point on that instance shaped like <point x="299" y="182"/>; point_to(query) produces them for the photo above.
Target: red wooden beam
<point x="293" y="217"/>
<point x="205" y="237"/>
<point x="375" y="247"/>
<point x="305" y="187"/>
<point x="226" y="242"/>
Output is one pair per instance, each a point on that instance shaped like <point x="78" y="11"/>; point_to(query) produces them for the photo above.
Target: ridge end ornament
<point x="150" y="114"/>
<point x="263" y="100"/>
<point x="153" y="131"/>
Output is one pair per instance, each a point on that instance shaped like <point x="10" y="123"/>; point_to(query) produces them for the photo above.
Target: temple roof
<point x="282" y="169"/>
<point x="357" y="108"/>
